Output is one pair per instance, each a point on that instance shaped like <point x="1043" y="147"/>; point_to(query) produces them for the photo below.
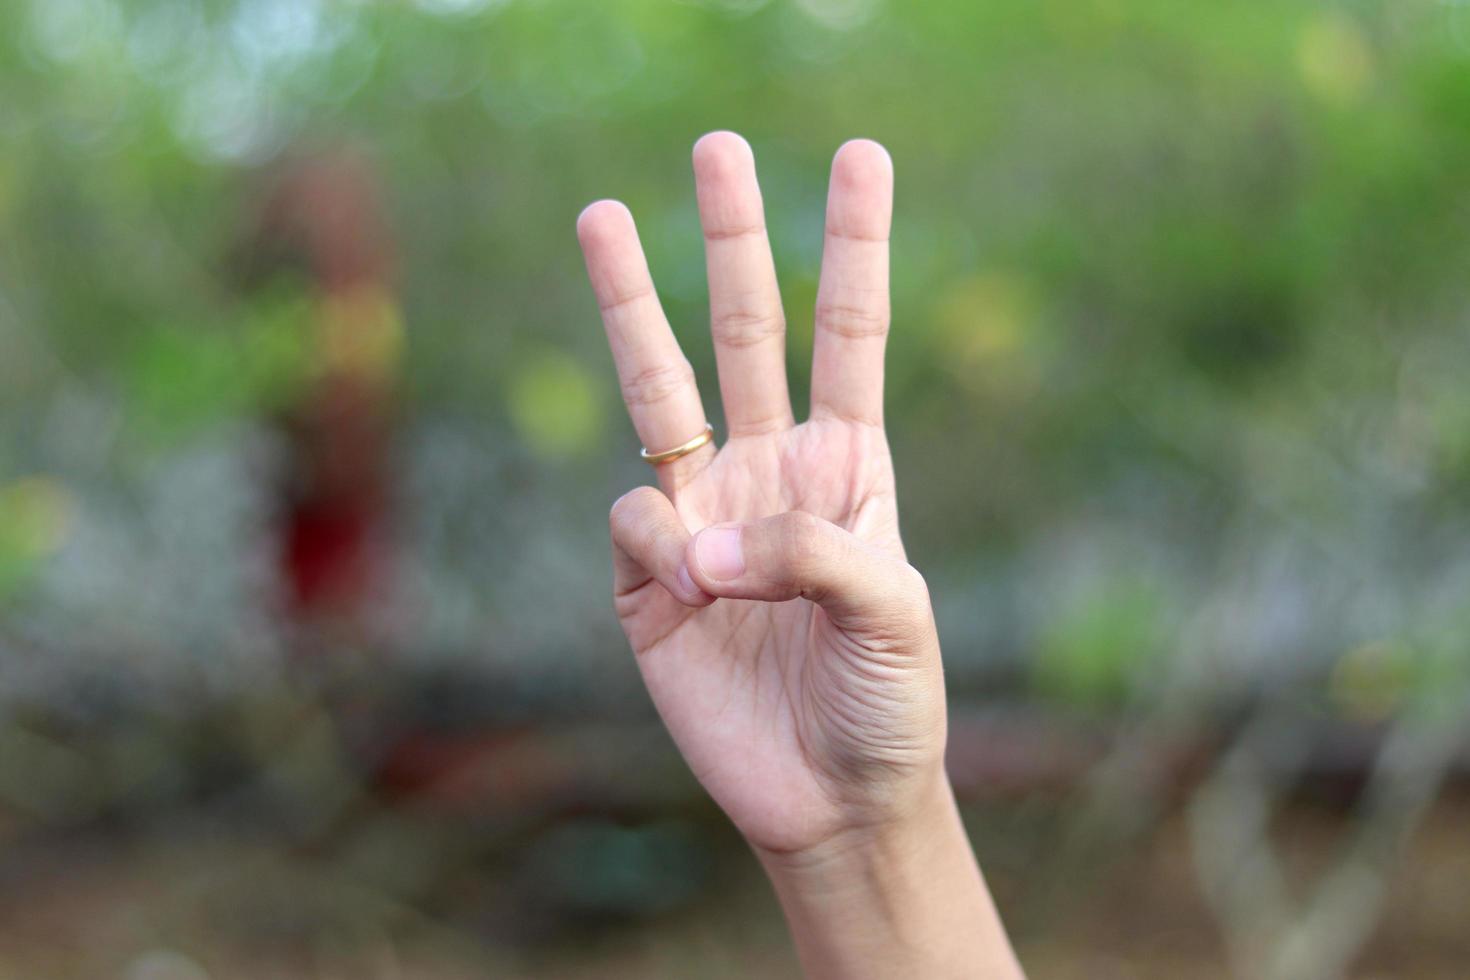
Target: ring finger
<point x="657" y="382"/>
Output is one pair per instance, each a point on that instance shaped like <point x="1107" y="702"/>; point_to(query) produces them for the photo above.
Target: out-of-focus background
<point x="308" y="432"/>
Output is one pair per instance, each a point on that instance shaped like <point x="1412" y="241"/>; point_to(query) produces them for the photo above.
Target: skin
<point x="784" y="638"/>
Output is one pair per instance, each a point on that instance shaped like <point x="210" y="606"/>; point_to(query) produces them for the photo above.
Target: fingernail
<point x="717" y="549"/>
<point x="687" y="583"/>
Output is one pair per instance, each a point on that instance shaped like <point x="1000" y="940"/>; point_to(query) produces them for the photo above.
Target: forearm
<point x="906" y="901"/>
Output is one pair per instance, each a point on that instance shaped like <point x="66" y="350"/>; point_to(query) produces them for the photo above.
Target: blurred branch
<point x="1269" y="934"/>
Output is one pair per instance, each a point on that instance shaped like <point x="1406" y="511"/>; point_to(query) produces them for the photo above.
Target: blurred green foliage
<point x="1180" y="283"/>
<point x="1092" y="649"/>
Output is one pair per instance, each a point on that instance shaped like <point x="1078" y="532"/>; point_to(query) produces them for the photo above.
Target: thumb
<point x="795" y="555"/>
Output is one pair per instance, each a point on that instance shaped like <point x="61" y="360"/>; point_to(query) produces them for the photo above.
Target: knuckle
<point x="747" y="328"/>
<point x="618" y="303"/>
<point x="912" y="608"/>
<point x="802" y="539"/>
<point x="657" y="383"/>
<point x="851" y="320"/>
<point x="617" y="517"/>
<point x="913" y="588"/>
<point x="734" y="232"/>
<point x="626" y="509"/>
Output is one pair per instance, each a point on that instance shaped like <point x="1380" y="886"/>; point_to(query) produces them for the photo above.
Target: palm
<point x="731" y="680"/>
<point x="754" y="692"/>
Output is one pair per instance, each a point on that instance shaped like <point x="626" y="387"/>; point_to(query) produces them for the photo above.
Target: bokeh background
<point x="308" y="432"/>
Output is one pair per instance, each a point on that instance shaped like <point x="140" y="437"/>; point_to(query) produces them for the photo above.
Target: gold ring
<point x="680" y="451"/>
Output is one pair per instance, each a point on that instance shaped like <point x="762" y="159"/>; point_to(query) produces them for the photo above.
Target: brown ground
<point x="197" y="902"/>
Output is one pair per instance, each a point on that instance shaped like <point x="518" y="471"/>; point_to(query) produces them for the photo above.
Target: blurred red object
<point x="323" y="218"/>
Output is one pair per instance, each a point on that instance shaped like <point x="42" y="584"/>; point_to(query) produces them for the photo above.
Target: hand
<point x="786" y="642"/>
<point x="788" y="645"/>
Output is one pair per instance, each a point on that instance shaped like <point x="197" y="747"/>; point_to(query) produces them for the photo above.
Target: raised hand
<point x="788" y="645"/>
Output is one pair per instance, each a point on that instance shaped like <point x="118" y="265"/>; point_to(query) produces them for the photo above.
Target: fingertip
<point x="721" y="152"/>
<point x="689" y="593"/>
<point x="862" y="163"/>
<point x="860" y="199"/>
<point x="602" y="219"/>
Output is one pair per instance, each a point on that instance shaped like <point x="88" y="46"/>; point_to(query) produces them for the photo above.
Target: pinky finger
<point x="649" y="544"/>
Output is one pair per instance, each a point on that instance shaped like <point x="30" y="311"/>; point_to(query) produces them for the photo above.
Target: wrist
<point x="902" y="897"/>
<point x="872" y="844"/>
